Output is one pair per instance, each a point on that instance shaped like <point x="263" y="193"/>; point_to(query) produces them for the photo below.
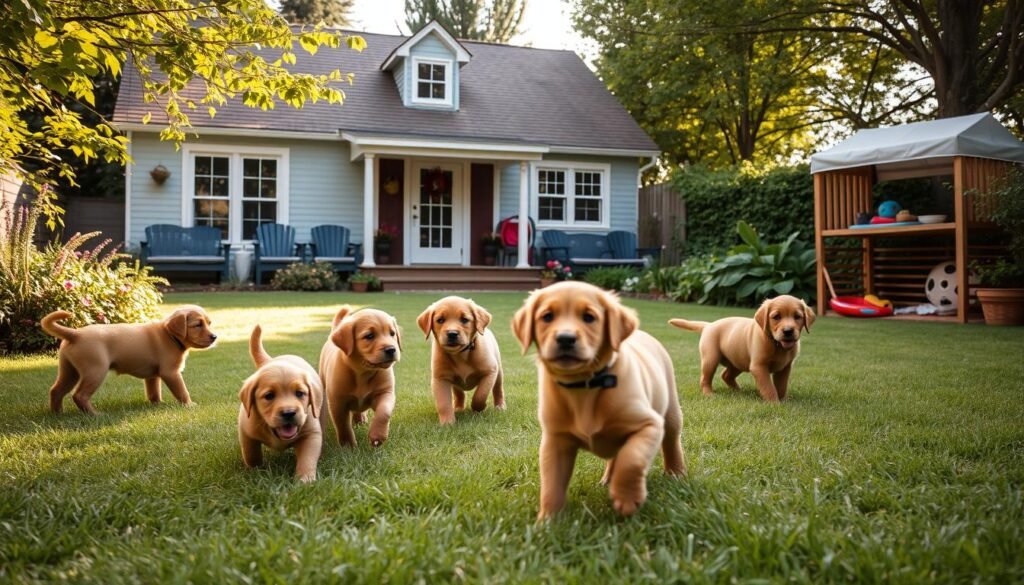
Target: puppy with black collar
<point x="464" y="356"/>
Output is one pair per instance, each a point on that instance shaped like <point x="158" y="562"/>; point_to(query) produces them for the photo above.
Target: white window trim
<point x="570" y="168"/>
<point x="235" y="153"/>
<point x="415" y="86"/>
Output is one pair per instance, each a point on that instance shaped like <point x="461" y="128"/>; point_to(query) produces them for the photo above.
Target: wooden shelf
<point x="903" y="230"/>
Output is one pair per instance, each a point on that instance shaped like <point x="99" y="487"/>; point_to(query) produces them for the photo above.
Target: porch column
<point x="523" y="253"/>
<point x="368" y="227"/>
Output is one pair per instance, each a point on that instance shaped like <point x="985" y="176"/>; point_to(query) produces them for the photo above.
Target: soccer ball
<point x="940" y="288"/>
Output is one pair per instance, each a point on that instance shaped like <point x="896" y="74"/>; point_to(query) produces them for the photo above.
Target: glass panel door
<point x="436" y="215"/>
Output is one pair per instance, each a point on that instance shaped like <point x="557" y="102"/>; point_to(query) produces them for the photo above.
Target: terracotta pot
<point x="545" y="282"/>
<point x="359" y="286"/>
<point x="656" y="292"/>
<point x="1002" y="306"/>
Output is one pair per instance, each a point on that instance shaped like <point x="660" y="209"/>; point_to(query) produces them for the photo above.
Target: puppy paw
<point x="627" y="501"/>
<point x="359" y="419"/>
<point x="190" y="404"/>
<point x="307" y="478"/>
<point x="499" y="405"/>
<point x="626" y="507"/>
<point x="377" y="439"/>
<point x="447" y="420"/>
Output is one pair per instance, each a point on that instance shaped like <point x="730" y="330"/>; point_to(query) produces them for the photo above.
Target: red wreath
<point x="437" y="182"/>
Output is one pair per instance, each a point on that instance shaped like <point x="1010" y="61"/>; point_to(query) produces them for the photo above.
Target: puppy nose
<point x="390" y="351"/>
<point x="213" y="337"/>
<point x="565" y="340"/>
<point x="453" y="335"/>
<point x="788" y="331"/>
<point x="287" y="414"/>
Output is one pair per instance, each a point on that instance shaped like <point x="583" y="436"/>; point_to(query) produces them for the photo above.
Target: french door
<point x="436" y="214"/>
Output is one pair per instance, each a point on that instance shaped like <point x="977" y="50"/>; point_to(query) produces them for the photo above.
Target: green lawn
<point x="898" y="456"/>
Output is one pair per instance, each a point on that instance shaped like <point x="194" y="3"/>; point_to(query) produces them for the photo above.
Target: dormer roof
<point x="462" y="55"/>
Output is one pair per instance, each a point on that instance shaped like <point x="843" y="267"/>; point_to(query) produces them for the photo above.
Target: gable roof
<point x="453" y="44"/>
<point x="922" y="144"/>
<point x="507" y="94"/>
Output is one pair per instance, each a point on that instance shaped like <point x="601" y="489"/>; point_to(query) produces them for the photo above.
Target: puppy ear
<point x="761" y="316"/>
<point x="809" y="317"/>
<point x="248" y="394"/>
<point x="398" y="333"/>
<point x="343" y="335"/>
<point x="426" y="321"/>
<point x="177" y="325"/>
<point x="344" y="310"/>
<point x="522" y="322"/>
<point x="481" y="317"/>
<point x="621" y="320"/>
<point x="316" y="395"/>
<point x="256" y="352"/>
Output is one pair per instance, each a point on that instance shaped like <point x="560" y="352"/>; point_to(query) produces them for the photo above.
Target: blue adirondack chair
<point x="275" y="248"/>
<point x="172" y="248"/>
<point x="624" y="248"/>
<point x="331" y="244"/>
<point x="556" y="246"/>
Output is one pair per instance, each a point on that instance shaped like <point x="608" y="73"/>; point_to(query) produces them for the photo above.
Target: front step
<point x="456" y="278"/>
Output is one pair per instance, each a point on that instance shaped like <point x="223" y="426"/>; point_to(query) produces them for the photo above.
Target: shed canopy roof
<point x="919" y="148"/>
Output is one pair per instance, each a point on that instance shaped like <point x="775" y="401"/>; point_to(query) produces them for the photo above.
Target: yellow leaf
<point x="146" y="118"/>
<point x="44" y="39"/>
<point x="213" y="111"/>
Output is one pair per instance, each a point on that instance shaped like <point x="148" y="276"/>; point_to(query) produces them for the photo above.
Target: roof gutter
<point x="640" y="171"/>
<point x="216" y="131"/>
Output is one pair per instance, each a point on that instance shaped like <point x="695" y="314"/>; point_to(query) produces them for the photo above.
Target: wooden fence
<point x="662" y="221"/>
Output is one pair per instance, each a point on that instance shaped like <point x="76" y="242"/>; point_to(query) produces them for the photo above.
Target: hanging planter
<point x="159" y="174"/>
<point x="436" y="183"/>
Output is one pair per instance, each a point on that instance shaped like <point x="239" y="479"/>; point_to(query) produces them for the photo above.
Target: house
<point x="438" y="139"/>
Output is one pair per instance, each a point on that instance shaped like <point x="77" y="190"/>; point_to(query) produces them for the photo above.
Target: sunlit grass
<point x="898" y="457"/>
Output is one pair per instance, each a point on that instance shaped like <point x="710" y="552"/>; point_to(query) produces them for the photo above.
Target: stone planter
<point x="1002" y="306"/>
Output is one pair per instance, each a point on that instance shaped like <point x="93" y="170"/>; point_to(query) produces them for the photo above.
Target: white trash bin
<point x="243" y="265"/>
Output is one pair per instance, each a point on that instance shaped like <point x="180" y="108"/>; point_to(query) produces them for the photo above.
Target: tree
<point x="492" y="21"/>
<point x="702" y="81"/>
<point x="190" y="55"/>
<point x="330" y="12"/>
<point x="973" y="50"/>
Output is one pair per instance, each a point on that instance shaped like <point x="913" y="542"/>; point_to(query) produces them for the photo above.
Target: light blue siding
<point x="399" y="74"/>
<point x="623" y="197"/>
<point x="430" y="47"/>
<point x="324" y="187"/>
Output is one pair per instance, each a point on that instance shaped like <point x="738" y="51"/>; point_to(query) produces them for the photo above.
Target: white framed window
<point x="571" y="195"/>
<point x="431" y="81"/>
<point x="234" y="188"/>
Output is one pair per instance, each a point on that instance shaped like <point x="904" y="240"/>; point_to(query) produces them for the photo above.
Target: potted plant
<point x="553" y="272"/>
<point x="490" y="241"/>
<point x="1001" y="290"/>
<point x="363" y="281"/>
<point x="382" y="242"/>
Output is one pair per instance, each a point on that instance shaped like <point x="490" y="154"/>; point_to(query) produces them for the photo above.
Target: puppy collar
<point x="176" y="341"/>
<point x="469" y="346"/>
<point x="601" y="379"/>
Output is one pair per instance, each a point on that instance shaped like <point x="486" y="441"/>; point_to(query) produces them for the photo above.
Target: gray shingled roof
<point x="534" y="96"/>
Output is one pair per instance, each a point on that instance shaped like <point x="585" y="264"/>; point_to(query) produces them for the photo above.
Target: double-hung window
<point x="432" y="81"/>
<point x="234" y="189"/>
<point x="571" y="194"/>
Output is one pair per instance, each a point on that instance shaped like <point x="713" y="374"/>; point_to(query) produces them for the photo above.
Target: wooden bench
<point x="172" y="248"/>
<point x="582" y="251"/>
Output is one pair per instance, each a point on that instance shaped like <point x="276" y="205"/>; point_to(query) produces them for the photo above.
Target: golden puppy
<point x="605" y="386"/>
<point x="765" y="346"/>
<point x="464" y="355"/>
<point x="151" y="351"/>
<point x="355" y="367"/>
<point x="281" y="406"/>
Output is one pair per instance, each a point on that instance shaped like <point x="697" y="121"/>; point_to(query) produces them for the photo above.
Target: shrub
<point x="309" y="277"/>
<point x="755" y="270"/>
<point x="691" y="276"/>
<point x="609" y="277"/>
<point x="95" y="286"/>
<point x="782" y="200"/>
<point x="1007" y="203"/>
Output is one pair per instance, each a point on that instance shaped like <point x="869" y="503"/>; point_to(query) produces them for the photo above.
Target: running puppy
<point x="765" y="346"/>
<point x="151" y="351"/>
<point x="355" y="366"/>
<point x="281" y="406"/>
<point x="464" y="355"/>
<point x="605" y="386"/>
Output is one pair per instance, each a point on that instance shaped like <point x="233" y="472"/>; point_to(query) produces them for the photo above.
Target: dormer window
<point x="432" y="81"/>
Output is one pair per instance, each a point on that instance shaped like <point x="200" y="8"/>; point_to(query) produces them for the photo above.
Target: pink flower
<point x="68" y="285"/>
<point x="551" y="263"/>
<point x="87" y="301"/>
<point x="567" y="270"/>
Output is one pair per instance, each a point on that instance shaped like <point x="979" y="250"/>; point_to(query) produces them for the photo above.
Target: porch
<point x="428" y="205"/>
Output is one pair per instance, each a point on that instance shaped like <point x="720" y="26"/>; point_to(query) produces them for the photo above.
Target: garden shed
<point x="893" y="261"/>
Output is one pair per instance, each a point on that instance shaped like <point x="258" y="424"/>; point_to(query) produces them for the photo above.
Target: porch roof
<point x="440" y="147"/>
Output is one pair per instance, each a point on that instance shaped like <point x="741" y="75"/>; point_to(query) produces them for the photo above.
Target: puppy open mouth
<point x="567" y="361"/>
<point x="786" y="343"/>
<point x="286" y="432"/>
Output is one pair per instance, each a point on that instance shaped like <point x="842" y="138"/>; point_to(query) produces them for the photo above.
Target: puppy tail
<point x="50" y="325"/>
<point x="344" y="310"/>
<point x="256" y="351"/>
<point x="697" y="326"/>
